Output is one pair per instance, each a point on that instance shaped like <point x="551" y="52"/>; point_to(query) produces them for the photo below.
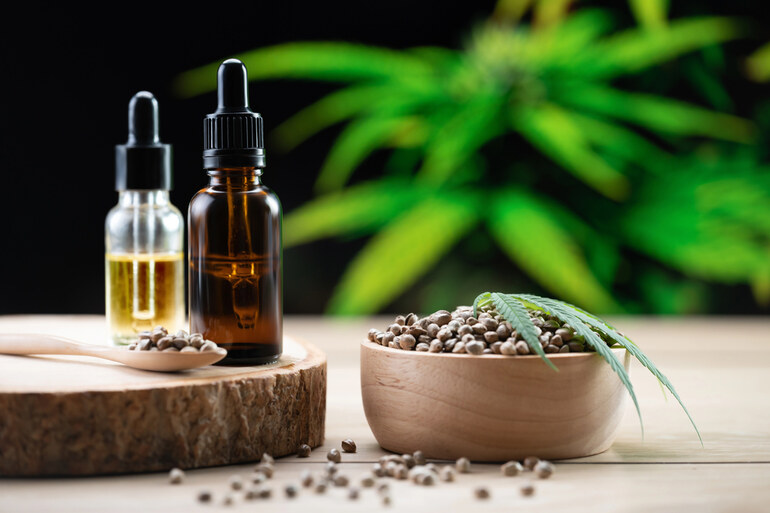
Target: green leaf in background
<point x="637" y="49"/>
<point x="619" y="141"/>
<point x="365" y="100"/>
<point x="531" y="234"/>
<point x="579" y="315"/>
<point x="659" y="114"/>
<point x="758" y="64"/>
<point x="460" y="137"/>
<point x="335" y="61"/>
<point x="651" y="14"/>
<point x="551" y="130"/>
<point x="697" y="220"/>
<point x="403" y="251"/>
<point x="359" y="139"/>
<point x="364" y="206"/>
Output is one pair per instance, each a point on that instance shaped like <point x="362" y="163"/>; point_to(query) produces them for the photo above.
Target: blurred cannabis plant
<point x="540" y="75"/>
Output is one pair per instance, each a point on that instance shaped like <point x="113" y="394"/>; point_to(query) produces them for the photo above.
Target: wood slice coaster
<point x="65" y="415"/>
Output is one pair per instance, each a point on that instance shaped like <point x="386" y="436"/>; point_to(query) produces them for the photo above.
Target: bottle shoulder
<point x="215" y="197"/>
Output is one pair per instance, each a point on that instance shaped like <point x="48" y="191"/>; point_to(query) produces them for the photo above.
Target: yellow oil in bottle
<point x="144" y="291"/>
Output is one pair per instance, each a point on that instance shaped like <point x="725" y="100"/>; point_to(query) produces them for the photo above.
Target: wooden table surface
<point x="720" y="366"/>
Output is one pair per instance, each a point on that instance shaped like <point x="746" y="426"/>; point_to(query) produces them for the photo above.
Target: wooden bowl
<point x="492" y="407"/>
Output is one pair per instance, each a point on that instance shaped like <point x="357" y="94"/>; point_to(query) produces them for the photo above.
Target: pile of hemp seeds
<point x="460" y="332"/>
<point x="159" y="339"/>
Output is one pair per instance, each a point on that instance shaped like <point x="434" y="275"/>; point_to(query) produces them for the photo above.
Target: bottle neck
<point x="136" y="198"/>
<point x="241" y="178"/>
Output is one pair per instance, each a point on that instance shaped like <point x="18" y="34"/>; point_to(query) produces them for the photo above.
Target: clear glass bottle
<point x="235" y="234"/>
<point x="144" y="234"/>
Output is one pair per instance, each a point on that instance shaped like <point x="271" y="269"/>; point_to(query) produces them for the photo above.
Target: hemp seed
<point x="334" y="455"/>
<point x="204" y="496"/>
<point x="511" y="468"/>
<point x="348" y="445"/>
<point x="530" y="462"/>
<point x="463" y="465"/>
<point x="176" y="476"/>
<point x="447" y="474"/>
<point x="543" y="469"/>
<point x="481" y="493"/>
<point x="527" y="489"/>
<point x="236" y="482"/>
<point x="303" y="451"/>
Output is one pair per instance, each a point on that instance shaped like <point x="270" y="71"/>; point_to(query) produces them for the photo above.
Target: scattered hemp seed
<point x="331" y="468"/>
<point x="419" y="458"/>
<point x="334" y="456"/>
<point x="367" y="481"/>
<point x="447" y="474"/>
<point x="265" y="493"/>
<point x="266" y="469"/>
<point x="267" y="459"/>
<point x="463" y="465"/>
<point x="258" y="477"/>
<point x="228" y="500"/>
<point x="303" y="451"/>
<point x="291" y="491"/>
<point x="481" y="492"/>
<point x="543" y="469"/>
<point x="530" y="462"/>
<point x="348" y="445"/>
<point x="408" y="460"/>
<point x="386" y="500"/>
<point x="176" y="476"/>
<point x="306" y="478"/>
<point x="236" y="482"/>
<point x="511" y="468"/>
<point x="527" y="489"/>
<point x="320" y="487"/>
<point x="341" y="480"/>
<point x="204" y="496"/>
<point x="353" y="493"/>
<point x="378" y="470"/>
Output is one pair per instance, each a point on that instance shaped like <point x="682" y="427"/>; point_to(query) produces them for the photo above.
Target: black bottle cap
<point x="233" y="135"/>
<point x="143" y="162"/>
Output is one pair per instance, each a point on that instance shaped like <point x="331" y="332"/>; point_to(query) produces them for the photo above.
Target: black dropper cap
<point x="143" y="162"/>
<point x="233" y="135"/>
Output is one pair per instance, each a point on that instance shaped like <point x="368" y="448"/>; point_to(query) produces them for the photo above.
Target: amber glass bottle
<point x="235" y="234"/>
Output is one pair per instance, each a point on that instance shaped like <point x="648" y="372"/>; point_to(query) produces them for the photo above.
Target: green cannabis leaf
<point x="598" y="334"/>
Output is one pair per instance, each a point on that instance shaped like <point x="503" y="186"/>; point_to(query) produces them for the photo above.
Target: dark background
<point x="68" y="75"/>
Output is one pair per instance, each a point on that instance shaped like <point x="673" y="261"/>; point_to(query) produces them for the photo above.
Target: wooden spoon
<point x="30" y="343"/>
